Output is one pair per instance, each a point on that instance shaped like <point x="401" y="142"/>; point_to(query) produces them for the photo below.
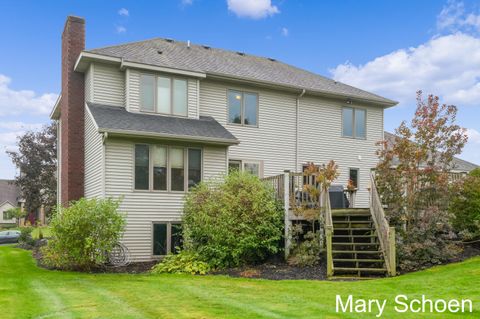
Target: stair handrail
<point x="328" y="229"/>
<point x="385" y="233"/>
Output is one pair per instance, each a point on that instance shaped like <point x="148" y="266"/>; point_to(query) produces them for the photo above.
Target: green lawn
<point x="27" y="291"/>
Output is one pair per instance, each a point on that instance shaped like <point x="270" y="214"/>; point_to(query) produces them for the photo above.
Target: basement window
<point x="167" y="238"/>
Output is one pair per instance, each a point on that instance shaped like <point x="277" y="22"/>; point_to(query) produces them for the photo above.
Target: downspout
<point x="296" y="126"/>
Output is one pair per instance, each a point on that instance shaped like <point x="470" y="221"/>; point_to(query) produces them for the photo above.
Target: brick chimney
<point x="72" y="106"/>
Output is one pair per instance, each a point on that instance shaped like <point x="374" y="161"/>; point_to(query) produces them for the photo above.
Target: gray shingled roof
<point x="213" y="61"/>
<point x="9" y="192"/>
<point x="458" y="164"/>
<point x="119" y="120"/>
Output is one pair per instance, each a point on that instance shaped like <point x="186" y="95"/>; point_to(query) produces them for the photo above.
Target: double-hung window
<point x="354" y="122"/>
<point x="164" y="95"/>
<point x="167" y="168"/>
<point x="353" y="176"/>
<point x="242" y="108"/>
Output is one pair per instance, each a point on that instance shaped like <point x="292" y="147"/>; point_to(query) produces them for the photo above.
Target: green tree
<point x="465" y="206"/>
<point x="36" y="160"/>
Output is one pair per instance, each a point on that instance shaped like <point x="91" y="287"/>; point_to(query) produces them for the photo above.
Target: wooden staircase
<point x="356" y="249"/>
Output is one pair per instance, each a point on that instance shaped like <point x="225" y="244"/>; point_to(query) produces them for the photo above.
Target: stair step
<point x="356" y="252"/>
<point x="353" y="228"/>
<point x="355" y="244"/>
<point x="352" y="222"/>
<point x="351" y="212"/>
<point x="360" y="269"/>
<point x="354" y="236"/>
<point x="358" y="260"/>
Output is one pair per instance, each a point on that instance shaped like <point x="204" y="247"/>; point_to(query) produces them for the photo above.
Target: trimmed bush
<point x="26" y="236"/>
<point x="185" y="262"/>
<point x="83" y="234"/>
<point x="234" y="222"/>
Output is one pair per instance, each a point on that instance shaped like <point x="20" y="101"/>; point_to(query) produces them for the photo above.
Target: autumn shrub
<point x="83" y="234"/>
<point x="465" y="206"/>
<point x="233" y="222"/>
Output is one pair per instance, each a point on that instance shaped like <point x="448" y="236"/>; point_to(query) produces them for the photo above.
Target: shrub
<point x="307" y="252"/>
<point x="83" y="234"/>
<point x="234" y="222"/>
<point x="465" y="206"/>
<point x="26" y="236"/>
<point x="185" y="262"/>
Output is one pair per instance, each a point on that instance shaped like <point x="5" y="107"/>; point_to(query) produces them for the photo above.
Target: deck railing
<point x="386" y="234"/>
<point x="289" y="188"/>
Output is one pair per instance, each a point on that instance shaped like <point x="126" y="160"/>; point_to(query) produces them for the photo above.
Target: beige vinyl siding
<point x="214" y="162"/>
<point x="93" y="159"/>
<point x="133" y="96"/>
<point x="142" y="208"/>
<point x="320" y="140"/>
<point x="273" y="141"/>
<point x="89" y="84"/>
<point x="108" y="85"/>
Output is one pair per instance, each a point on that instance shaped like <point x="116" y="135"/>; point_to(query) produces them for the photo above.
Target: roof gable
<point x="219" y="62"/>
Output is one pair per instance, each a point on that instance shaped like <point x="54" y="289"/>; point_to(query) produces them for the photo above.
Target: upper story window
<point x="242" y="108"/>
<point x="354" y="122"/>
<point x="167" y="168"/>
<point x="161" y="94"/>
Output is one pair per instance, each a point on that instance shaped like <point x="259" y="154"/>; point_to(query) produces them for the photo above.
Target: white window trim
<point x="242" y="108"/>
<point x="155" y="94"/>
<point x="169" y="181"/>
<point x="354" y="123"/>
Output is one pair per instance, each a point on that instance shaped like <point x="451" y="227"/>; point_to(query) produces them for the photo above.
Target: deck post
<point x="393" y="253"/>
<point x="286" y="205"/>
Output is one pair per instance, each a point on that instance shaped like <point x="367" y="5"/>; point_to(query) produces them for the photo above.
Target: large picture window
<point x="242" y="108"/>
<point x="165" y="95"/>
<point x="167" y="238"/>
<point x="354" y="122"/>
<point x="167" y="168"/>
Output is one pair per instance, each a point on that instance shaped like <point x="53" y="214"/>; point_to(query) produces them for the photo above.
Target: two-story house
<point x="147" y="120"/>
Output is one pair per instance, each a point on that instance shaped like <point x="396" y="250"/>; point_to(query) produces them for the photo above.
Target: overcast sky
<point x="392" y="48"/>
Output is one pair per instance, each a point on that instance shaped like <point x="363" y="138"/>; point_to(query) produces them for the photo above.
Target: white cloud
<point x="20" y="126"/>
<point x="473" y="136"/>
<point x="448" y="65"/>
<point x="124" y="12"/>
<point x="13" y="102"/>
<point x="285" y="32"/>
<point x="454" y="17"/>
<point x="120" y="29"/>
<point x="255" y="9"/>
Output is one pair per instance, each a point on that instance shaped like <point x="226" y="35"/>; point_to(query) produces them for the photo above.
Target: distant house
<point x="9" y="198"/>
<point x="460" y="167"/>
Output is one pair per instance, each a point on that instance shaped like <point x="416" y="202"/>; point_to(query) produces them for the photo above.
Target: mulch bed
<point x="277" y="271"/>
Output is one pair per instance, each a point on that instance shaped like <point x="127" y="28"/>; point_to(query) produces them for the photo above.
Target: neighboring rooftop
<point x="219" y="62"/>
<point x="9" y="192"/>
<point x="458" y="164"/>
<point x="117" y="120"/>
